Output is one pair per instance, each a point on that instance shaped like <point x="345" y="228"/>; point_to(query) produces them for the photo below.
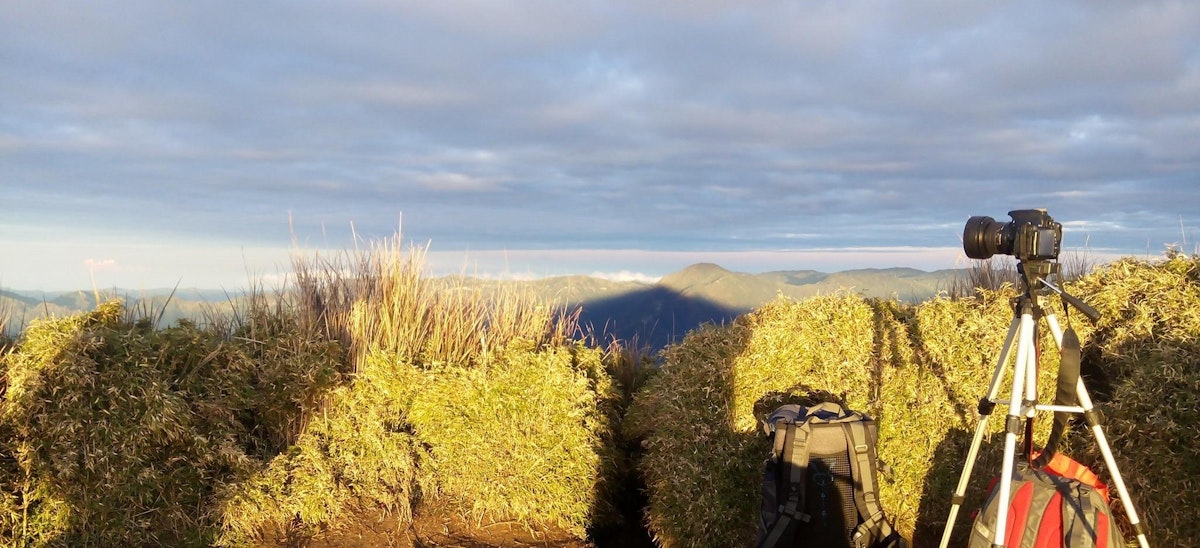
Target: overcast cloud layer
<point x="632" y="136"/>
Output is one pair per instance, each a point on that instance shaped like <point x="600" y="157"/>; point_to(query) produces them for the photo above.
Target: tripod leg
<point x="1090" y="415"/>
<point x="986" y="405"/>
<point x="1102" y="441"/>
<point x="1026" y="358"/>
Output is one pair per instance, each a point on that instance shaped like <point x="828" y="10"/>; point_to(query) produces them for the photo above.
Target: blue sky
<point x="145" y="144"/>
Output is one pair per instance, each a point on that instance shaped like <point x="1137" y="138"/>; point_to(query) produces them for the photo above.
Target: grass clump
<point x="120" y="433"/>
<point x="522" y="437"/>
<point x="1144" y="355"/>
<point x="459" y="406"/>
<point x="352" y="466"/>
<point x="102" y="441"/>
<point x="918" y="370"/>
<point x="699" y="417"/>
<point x="380" y="300"/>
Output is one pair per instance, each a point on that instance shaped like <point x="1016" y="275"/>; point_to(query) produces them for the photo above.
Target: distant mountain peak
<point x="705" y="267"/>
<point x="694" y="275"/>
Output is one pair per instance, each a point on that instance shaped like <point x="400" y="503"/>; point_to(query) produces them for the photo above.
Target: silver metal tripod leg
<point x="1022" y="387"/>
<point x="985" y="410"/>
<point x="1085" y="403"/>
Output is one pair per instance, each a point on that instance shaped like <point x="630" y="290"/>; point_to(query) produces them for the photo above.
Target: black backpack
<point x="820" y="482"/>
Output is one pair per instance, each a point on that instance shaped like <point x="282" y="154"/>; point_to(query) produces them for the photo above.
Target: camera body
<point x="1031" y="236"/>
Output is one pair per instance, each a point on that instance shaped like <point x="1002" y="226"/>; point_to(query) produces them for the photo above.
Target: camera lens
<point x="983" y="237"/>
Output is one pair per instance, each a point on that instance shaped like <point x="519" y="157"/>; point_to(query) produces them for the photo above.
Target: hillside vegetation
<point x="370" y="400"/>
<point x="373" y="406"/>
<point x="920" y="370"/>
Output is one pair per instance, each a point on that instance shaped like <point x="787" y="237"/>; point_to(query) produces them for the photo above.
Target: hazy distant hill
<point x="656" y="314"/>
<point x="18" y="308"/>
<point x="558" y="289"/>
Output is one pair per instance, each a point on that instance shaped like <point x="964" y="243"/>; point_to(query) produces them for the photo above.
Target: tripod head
<point x="1034" y="274"/>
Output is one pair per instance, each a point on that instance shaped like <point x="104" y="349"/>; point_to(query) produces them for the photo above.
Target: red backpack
<point x="1063" y="504"/>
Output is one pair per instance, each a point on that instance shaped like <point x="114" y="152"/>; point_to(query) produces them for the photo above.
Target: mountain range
<point x="652" y="314"/>
<point x="662" y="313"/>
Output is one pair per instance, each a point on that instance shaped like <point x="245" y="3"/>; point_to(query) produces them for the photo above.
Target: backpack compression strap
<point x="793" y="451"/>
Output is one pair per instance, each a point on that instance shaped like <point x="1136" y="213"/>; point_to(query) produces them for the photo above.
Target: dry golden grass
<point x="476" y="403"/>
<point x="994" y="273"/>
<point x="380" y="299"/>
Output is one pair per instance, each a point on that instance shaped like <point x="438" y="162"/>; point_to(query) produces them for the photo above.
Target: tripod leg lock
<point x="1092" y="417"/>
<point x="986" y="406"/>
<point x="1013" y="425"/>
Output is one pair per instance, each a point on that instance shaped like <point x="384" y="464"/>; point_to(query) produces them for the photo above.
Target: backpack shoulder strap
<point x="875" y="526"/>
<point x="792" y="447"/>
<point x="863" y="457"/>
<point x="1078" y="516"/>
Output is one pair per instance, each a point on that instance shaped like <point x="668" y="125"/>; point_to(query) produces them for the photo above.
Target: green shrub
<point x="699" y="417"/>
<point x="353" y="464"/>
<point x="421" y="354"/>
<point x="1145" y="360"/>
<point x="524" y="436"/>
<point x="120" y="434"/>
<point x="918" y="371"/>
<point x="109" y="444"/>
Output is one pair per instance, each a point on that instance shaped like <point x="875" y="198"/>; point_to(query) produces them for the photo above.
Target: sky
<point x="149" y="144"/>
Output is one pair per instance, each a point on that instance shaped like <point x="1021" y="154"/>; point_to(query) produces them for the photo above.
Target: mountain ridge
<point x="654" y="313"/>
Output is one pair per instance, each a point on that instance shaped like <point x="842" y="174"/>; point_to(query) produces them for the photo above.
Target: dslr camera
<point x="1031" y="236"/>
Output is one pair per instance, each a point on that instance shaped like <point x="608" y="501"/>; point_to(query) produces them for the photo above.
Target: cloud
<point x="626" y="276"/>
<point x="455" y="182"/>
<point x="660" y="126"/>
<point x="99" y="265"/>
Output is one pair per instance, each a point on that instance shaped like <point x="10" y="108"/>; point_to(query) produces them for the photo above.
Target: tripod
<point x="1022" y="402"/>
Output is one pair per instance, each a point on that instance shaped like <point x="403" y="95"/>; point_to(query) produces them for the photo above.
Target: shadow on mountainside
<point x="656" y="316"/>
